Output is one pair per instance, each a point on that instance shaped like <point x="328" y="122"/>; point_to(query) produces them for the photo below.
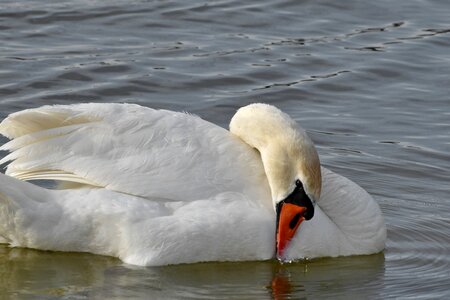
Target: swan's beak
<point x="289" y="217"/>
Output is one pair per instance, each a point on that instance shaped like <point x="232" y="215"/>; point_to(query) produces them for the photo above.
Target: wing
<point x="131" y="149"/>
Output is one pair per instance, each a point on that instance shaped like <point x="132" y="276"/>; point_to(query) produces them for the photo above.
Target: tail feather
<point x="44" y="118"/>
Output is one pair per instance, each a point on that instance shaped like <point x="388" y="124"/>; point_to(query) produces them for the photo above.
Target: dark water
<point x="369" y="80"/>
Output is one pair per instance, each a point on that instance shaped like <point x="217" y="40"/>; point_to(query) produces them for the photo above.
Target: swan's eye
<point x="298" y="183"/>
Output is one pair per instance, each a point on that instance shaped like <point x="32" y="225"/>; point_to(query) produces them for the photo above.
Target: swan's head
<point x="290" y="161"/>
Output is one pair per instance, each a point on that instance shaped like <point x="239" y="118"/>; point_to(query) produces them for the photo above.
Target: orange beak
<point x="289" y="218"/>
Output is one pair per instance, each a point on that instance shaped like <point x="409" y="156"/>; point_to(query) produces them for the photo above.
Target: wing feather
<point x="130" y="149"/>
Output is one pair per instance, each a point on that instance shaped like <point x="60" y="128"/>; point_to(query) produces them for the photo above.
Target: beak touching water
<point x="291" y="212"/>
<point x="289" y="218"/>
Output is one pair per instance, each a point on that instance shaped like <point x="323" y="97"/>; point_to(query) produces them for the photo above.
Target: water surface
<point x="369" y="80"/>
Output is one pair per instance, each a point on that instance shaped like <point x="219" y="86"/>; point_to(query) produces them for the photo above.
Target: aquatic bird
<point x="157" y="187"/>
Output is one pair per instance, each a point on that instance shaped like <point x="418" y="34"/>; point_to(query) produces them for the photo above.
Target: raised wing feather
<point x="131" y="149"/>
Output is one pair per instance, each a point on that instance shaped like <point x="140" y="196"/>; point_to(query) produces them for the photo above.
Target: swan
<point x="157" y="187"/>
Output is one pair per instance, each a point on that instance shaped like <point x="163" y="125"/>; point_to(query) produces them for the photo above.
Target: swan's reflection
<point x="281" y="287"/>
<point x="46" y="275"/>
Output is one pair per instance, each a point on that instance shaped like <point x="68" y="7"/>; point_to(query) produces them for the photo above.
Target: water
<point x="369" y="80"/>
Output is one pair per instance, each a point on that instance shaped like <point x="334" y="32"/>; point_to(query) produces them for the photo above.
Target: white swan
<point x="156" y="187"/>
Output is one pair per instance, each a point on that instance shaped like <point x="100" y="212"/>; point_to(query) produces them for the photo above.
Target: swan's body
<point x="160" y="187"/>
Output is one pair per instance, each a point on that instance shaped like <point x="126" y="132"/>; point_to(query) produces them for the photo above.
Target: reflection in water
<point x="281" y="286"/>
<point x="360" y="275"/>
<point x="51" y="275"/>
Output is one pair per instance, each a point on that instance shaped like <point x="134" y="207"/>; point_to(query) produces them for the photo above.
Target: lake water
<point x="369" y="80"/>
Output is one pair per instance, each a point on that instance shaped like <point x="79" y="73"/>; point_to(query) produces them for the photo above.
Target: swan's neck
<point x="286" y="151"/>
